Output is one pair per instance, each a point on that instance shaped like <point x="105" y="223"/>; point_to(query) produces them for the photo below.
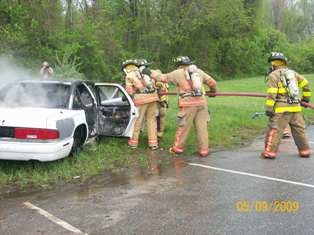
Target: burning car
<point x="49" y="120"/>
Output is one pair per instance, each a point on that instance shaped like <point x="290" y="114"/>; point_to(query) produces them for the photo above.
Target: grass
<point x="231" y="125"/>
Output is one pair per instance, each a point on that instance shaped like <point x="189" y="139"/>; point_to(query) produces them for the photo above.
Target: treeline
<point x="226" y="38"/>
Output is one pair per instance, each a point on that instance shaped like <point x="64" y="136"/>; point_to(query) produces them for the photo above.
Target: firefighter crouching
<point x="283" y="106"/>
<point x="192" y="103"/>
<point x="145" y="98"/>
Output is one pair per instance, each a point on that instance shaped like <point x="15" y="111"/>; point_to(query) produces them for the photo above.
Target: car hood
<point x="31" y="117"/>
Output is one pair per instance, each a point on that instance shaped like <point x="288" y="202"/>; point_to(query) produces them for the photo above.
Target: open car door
<point x="116" y="110"/>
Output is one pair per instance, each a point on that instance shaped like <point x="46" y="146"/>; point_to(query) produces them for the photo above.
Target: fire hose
<point x="246" y="94"/>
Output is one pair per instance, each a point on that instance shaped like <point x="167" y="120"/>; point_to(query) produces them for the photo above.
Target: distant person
<point x="46" y="71"/>
<point x="283" y="106"/>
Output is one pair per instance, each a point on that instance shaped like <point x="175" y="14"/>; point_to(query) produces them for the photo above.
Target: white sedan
<point x="49" y="120"/>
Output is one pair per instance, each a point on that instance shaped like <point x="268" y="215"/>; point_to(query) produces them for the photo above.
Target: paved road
<point x="230" y="192"/>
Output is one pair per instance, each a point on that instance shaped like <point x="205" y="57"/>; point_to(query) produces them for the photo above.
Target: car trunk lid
<point x="26" y="117"/>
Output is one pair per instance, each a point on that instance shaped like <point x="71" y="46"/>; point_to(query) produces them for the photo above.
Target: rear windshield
<point x="43" y="95"/>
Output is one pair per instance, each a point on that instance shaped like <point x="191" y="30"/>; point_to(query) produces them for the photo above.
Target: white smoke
<point x="31" y="95"/>
<point x="10" y="71"/>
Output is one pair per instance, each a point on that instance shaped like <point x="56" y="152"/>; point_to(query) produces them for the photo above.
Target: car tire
<point x="78" y="140"/>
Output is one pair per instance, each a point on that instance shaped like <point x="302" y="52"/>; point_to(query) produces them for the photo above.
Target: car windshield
<point x="43" y="95"/>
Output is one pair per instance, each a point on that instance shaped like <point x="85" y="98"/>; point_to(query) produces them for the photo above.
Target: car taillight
<point x="35" y="133"/>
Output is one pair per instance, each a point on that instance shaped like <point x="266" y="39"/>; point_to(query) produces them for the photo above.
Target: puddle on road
<point x="163" y="170"/>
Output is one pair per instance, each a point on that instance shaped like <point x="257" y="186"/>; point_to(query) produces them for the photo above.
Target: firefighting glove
<point x="212" y="93"/>
<point x="146" y="71"/>
<point x="269" y="113"/>
<point x="304" y="100"/>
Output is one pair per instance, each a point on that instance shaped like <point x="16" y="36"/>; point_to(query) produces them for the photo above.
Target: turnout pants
<point x="185" y="119"/>
<point x="275" y="130"/>
<point x="161" y="119"/>
<point x="146" y="111"/>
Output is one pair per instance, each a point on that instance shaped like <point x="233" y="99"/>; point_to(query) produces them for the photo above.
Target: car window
<point x="111" y="95"/>
<point x="82" y="98"/>
<point x="45" y="95"/>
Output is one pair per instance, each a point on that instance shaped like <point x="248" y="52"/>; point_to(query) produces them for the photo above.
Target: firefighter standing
<point x="287" y="130"/>
<point x="283" y="106"/>
<point x="192" y="103"/>
<point x="162" y="106"/>
<point x="145" y="98"/>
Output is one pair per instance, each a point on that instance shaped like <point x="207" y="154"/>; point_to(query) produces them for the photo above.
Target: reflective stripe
<point x="132" y="142"/>
<point x="272" y="90"/>
<point x="177" y="149"/>
<point x="307" y="93"/>
<point x="152" y="141"/>
<point x="130" y="90"/>
<point x="303" y="83"/>
<point x="270" y="102"/>
<point x="276" y="90"/>
<point x="144" y="99"/>
<point x="304" y="152"/>
<point x="269" y="154"/>
<point x="204" y="152"/>
<point x="268" y="142"/>
<point x="291" y="109"/>
<point x="177" y="139"/>
<point x="211" y="83"/>
<point x="195" y="101"/>
<point x="282" y="91"/>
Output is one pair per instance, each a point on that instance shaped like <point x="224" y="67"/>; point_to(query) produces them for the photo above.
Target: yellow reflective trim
<point x="130" y="67"/>
<point x="272" y="90"/>
<point x="292" y="109"/>
<point x="270" y="102"/>
<point x="303" y="83"/>
<point x="282" y="91"/>
<point x="307" y="93"/>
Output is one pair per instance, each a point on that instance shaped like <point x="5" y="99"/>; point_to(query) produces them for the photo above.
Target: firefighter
<point x="284" y="87"/>
<point x="163" y="105"/>
<point x="46" y="71"/>
<point x="192" y="103"/>
<point x="161" y="87"/>
<point x="287" y="130"/>
<point x="141" y="88"/>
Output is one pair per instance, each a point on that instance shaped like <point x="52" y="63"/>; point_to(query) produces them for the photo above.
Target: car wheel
<point x="78" y="140"/>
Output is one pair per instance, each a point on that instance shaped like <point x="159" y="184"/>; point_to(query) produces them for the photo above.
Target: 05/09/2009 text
<point x="277" y="206"/>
